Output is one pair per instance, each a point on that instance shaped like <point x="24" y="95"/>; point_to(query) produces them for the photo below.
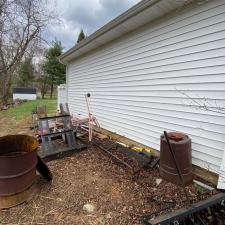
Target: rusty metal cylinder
<point x="18" y="159"/>
<point x="181" y="145"/>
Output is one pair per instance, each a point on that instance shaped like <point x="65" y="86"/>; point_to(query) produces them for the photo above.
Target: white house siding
<point x="25" y="96"/>
<point x="138" y="82"/>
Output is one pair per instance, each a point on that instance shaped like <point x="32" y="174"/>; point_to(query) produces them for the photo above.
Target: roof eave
<point x="92" y="42"/>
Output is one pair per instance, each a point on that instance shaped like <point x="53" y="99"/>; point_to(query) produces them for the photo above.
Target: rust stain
<point x="175" y="136"/>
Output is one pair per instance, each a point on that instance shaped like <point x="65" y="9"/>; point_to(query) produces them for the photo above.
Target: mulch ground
<point x="91" y="176"/>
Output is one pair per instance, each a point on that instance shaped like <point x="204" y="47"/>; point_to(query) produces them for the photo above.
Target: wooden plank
<point x="100" y="136"/>
<point x="54" y="117"/>
<point x="205" y="174"/>
<point x="127" y="141"/>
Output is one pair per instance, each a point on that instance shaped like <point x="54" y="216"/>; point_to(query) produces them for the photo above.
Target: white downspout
<point x="67" y="83"/>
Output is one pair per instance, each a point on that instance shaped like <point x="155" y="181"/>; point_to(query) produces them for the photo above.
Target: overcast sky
<point x="88" y="15"/>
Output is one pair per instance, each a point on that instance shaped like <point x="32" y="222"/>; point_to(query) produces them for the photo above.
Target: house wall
<point x="142" y="83"/>
<point x="25" y="96"/>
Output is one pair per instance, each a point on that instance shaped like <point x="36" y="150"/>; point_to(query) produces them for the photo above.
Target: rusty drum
<point x="181" y="145"/>
<point x="18" y="159"/>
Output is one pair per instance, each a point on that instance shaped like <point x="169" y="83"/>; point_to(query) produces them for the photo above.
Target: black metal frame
<point x="48" y="148"/>
<point x="141" y="158"/>
<point x="183" y="213"/>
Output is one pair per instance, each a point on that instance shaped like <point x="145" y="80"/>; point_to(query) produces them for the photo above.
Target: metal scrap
<point x="130" y="158"/>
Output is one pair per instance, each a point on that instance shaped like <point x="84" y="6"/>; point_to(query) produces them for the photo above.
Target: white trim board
<point x="221" y="181"/>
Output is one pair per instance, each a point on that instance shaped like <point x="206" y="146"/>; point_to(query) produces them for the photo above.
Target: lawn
<point x="18" y="120"/>
<point x="24" y="110"/>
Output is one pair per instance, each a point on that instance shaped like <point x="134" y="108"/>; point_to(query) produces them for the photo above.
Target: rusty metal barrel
<point x="181" y="145"/>
<point x="18" y="159"/>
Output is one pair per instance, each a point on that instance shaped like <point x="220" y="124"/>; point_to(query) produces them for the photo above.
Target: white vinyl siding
<point x="140" y="82"/>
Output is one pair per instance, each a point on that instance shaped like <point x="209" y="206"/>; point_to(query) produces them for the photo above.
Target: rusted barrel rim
<point x="33" y="144"/>
<point x="182" y="141"/>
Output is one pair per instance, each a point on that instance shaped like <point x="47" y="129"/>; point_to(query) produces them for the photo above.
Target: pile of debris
<point x="13" y="104"/>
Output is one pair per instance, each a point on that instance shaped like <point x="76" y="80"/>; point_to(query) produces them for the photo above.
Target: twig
<point x="207" y="106"/>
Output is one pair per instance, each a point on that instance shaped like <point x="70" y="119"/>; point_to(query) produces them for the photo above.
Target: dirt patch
<point x="91" y="176"/>
<point x="12" y="126"/>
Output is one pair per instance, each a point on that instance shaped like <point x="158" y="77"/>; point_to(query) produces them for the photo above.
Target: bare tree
<point x="204" y="103"/>
<point x="43" y="84"/>
<point x="21" y="23"/>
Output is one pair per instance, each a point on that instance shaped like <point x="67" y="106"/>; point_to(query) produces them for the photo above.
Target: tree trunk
<point x="4" y="97"/>
<point x="51" y="91"/>
<point x="43" y="90"/>
<point x="42" y="94"/>
<point x="3" y="101"/>
<point x="5" y="83"/>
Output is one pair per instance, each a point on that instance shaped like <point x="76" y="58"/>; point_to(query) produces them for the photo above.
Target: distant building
<point x="24" y="93"/>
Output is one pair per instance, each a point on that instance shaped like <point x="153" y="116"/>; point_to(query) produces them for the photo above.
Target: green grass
<point x="24" y="110"/>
